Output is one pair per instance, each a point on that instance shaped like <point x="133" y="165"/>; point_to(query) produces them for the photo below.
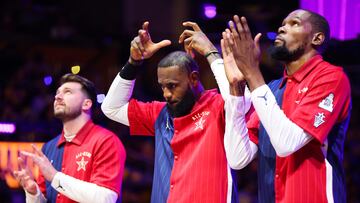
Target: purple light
<point x="209" y="10"/>
<point x="100" y="98"/>
<point x="47" y="80"/>
<point x="343" y="16"/>
<point x="271" y="35"/>
<point x="7" y="128"/>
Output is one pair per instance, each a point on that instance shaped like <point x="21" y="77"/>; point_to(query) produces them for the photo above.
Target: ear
<point x="194" y="78"/>
<point x="87" y="104"/>
<point x="318" y="39"/>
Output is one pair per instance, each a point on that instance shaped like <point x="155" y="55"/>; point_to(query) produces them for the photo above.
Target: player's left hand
<point x="46" y="168"/>
<point x="235" y="77"/>
<point x="195" y="39"/>
<point x="246" y="51"/>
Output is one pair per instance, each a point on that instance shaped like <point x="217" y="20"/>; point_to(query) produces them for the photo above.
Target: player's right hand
<point x="25" y="177"/>
<point x="142" y="47"/>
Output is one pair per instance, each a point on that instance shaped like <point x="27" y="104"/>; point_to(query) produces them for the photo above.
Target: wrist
<point x="135" y="62"/>
<point x="254" y="81"/>
<point x="212" y="55"/>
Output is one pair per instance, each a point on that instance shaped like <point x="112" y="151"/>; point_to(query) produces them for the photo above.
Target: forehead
<point x="171" y="74"/>
<point x="298" y="14"/>
<point x="70" y="85"/>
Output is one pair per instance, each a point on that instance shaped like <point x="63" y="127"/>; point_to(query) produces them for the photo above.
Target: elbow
<point x="105" y="108"/>
<point x="240" y="162"/>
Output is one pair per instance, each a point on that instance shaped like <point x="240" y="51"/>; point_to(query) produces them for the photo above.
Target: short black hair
<point x="320" y="24"/>
<point x="87" y="86"/>
<point x="181" y="59"/>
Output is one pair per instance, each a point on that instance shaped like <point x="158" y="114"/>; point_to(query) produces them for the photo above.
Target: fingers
<point x="193" y="25"/>
<point x="163" y="43"/>
<point x="28" y="154"/>
<point x="185" y="34"/>
<point x="246" y="28"/>
<point x="225" y="45"/>
<point x="230" y="38"/>
<point x="257" y="40"/>
<point x="145" y="26"/>
<point x="37" y="150"/>
<point x="135" y="43"/>
<point x="233" y="30"/>
<point x="21" y="163"/>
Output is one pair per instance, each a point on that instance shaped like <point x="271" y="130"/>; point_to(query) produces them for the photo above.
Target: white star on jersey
<point x="200" y="124"/>
<point x="82" y="164"/>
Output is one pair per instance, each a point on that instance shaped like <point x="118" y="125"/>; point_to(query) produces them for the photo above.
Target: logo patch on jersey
<point x="200" y="119"/>
<point x="82" y="163"/>
<point x="264" y="97"/>
<point x="319" y="119"/>
<point x="327" y="103"/>
<point x="303" y="90"/>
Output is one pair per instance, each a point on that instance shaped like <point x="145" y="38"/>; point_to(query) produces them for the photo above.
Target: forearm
<point x="82" y="191"/>
<point x="240" y="151"/>
<point x="115" y="104"/>
<point x="285" y="136"/>
<point x="217" y="67"/>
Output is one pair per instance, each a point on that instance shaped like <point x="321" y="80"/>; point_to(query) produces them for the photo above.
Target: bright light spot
<point x="100" y="98"/>
<point x="209" y="10"/>
<point x="75" y="69"/>
<point x="271" y="35"/>
<point x="47" y="80"/>
<point x="8" y="128"/>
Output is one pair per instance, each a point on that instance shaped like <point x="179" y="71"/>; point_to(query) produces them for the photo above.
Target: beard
<point x="282" y="53"/>
<point x="65" y="115"/>
<point x="184" y="106"/>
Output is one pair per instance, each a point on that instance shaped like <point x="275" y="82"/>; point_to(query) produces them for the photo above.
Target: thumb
<point x="163" y="43"/>
<point x="257" y="41"/>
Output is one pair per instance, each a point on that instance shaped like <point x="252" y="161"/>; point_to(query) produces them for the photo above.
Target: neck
<point x="198" y="91"/>
<point x="74" y="125"/>
<point x="293" y="66"/>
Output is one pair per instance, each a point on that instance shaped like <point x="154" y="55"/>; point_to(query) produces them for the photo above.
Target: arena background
<point x="40" y="40"/>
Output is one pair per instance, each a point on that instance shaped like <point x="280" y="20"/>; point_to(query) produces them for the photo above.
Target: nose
<point x="167" y="94"/>
<point x="281" y="29"/>
<point x="58" y="96"/>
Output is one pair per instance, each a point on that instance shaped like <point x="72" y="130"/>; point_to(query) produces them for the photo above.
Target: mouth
<point x="278" y="40"/>
<point x="173" y="103"/>
<point x="59" y="105"/>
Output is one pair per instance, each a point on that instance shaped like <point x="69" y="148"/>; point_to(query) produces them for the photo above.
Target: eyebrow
<point x="296" y="17"/>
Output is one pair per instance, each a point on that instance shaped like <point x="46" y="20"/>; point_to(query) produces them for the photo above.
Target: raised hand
<point x="246" y="51"/>
<point x="142" y="47"/>
<point x="195" y="39"/>
<point x="46" y="168"/>
<point x="25" y="177"/>
<point x="235" y="77"/>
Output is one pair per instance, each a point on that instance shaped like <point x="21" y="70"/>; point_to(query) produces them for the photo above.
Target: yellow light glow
<point x="75" y="69"/>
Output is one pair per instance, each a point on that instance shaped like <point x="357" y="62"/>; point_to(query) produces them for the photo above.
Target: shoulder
<point x="100" y="132"/>
<point x="102" y="137"/>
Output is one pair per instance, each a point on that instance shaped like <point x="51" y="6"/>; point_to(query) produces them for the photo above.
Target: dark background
<point x="40" y="38"/>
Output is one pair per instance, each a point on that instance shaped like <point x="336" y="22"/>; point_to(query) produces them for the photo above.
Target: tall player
<point x="301" y="119"/>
